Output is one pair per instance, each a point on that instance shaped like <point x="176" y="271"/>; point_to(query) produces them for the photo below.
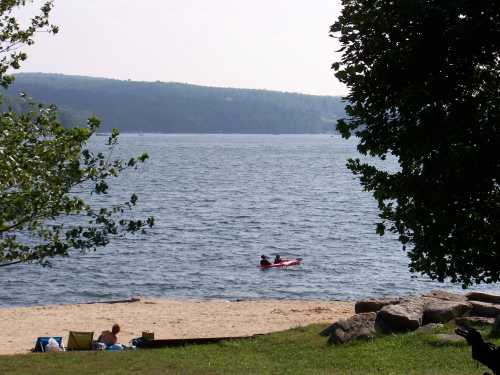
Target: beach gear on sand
<point x="284" y="263"/>
<point x="115" y="347"/>
<point x="42" y="344"/>
<point x="80" y="340"/>
<point x="96" y="345"/>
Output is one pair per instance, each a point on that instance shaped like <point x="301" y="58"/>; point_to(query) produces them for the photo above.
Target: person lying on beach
<point x="263" y="261"/>
<point x="278" y="259"/>
<point x="109" y="338"/>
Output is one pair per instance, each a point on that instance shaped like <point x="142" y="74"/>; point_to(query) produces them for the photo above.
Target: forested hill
<point x="180" y="108"/>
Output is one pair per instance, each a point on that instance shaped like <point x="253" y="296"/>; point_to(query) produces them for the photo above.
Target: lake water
<point x="220" y="201"/>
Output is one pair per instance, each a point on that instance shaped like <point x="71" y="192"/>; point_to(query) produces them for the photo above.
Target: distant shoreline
<point x="177" y="107"/>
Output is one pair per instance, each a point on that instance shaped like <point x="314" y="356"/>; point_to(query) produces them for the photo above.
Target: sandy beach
<point x="166" y="318"/>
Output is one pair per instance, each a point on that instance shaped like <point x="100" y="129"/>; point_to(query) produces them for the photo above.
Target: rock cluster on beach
<point x="411" y="313"/>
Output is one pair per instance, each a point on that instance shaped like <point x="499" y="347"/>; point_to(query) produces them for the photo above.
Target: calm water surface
<point x="220" y="201"/>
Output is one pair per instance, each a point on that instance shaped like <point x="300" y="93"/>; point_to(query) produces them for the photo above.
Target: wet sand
<point x="167" y="318"/>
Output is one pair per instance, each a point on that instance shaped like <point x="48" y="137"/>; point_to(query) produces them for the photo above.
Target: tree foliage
<point x="424" y="80"/>
<point x="14" y="35"/>
<point x="46" y="168"/>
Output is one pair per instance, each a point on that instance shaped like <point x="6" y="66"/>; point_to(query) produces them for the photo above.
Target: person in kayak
<point x="278" y="259"/>
<point x="264" y="262"/>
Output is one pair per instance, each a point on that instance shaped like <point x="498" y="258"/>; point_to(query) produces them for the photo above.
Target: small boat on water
<point x="284" y="263"/>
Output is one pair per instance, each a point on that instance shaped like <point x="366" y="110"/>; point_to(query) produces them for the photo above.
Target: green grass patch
<point x="297" y="351"/>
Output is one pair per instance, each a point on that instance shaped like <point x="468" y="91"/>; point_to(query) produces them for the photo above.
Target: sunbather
<point x="109" y="338"/>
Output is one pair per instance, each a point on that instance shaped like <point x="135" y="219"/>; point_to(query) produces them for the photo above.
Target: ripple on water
<point x="220" y="201"/>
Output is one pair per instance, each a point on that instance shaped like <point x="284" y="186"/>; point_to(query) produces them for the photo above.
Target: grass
<point x="297" y="351"/>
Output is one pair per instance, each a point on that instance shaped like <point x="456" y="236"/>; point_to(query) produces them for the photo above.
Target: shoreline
<point x="186" y="299"/>
<point x="167" y="318"/>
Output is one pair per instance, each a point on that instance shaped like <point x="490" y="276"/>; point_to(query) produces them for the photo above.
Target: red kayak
<point x="284" y="263"/>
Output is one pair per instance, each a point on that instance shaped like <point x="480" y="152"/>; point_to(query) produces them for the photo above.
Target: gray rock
<point x="474" y="321"/>
<point x="445" y="296"/>
<point x="485" y="309"/>
<point x="447" y="338"/>
<point x="429" y="327"/>
<point x="406" y="316"/>
<point x="495" y="331"/>
<point x="359" y="326"/>
<point x="373" y="305"/>
<point x="483" y="297"/>
<point x="442" y="311"/>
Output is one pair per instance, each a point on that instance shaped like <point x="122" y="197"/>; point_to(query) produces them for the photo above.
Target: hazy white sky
<point x="271" y="44"/>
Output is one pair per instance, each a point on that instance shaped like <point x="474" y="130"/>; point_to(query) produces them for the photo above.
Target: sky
<point x="263" y="44"/>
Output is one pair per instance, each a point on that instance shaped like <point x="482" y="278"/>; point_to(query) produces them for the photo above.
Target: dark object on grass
<point x="484" y="352"/>
<point x="143" y="343"/>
